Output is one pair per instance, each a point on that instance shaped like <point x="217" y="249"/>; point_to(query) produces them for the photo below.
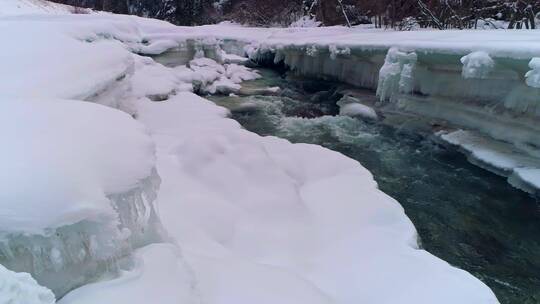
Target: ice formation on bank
<point x="498" y="157"/>
<point x="396" y="75"/>
<point x="21" y="288"/>
<point x="477" y="65"/>
<point x="533" y="76"/>
<point x="243" y="209"/>
<point x="80" y="189"/>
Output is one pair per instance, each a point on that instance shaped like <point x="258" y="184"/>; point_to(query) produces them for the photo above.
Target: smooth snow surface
<point x="159" y="277"/>
<point x="62" y="158"/>
<point x="39" y="67"/>
<point x="21" y="288"/>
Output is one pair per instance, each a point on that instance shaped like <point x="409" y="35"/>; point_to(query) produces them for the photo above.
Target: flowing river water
<point x="465" y="215"/>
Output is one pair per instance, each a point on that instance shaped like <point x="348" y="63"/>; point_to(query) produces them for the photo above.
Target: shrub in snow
<point x="477" y="65"/>
<point x="396" y="75"/>
<point x="533" y="76"/>
<point x="21" y="288"/>
<point x="408" y="24"/>
<point x="306" y="21"/>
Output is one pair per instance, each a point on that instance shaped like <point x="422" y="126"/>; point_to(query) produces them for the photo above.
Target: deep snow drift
<point x="248" y="219"/>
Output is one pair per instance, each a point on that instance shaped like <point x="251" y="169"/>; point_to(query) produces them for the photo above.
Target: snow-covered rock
<point x="211" y="77"/>
<point x="477" y="65"/>
<point x="158" y="82"/>
<point x="51" y="64"/>
<point x="351" y="106"/>
<point x="358" y="110"/>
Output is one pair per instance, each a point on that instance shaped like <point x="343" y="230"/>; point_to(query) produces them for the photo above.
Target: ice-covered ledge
<point x="77" y="191"/>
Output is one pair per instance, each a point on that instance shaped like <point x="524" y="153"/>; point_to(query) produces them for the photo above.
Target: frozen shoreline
<point x="307" y="223"/>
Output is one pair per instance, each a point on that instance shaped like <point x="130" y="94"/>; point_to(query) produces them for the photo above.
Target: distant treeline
<point x="399" y="14"/>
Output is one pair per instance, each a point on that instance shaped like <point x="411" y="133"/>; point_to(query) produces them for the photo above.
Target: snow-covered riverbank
<point x="246" y="218"/>
<point x="484" y="82"/>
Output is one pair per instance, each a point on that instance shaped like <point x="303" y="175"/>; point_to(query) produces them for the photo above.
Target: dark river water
<point x="465" y="215"/>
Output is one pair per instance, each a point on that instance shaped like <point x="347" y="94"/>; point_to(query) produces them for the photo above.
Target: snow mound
<point x="477" y="65"/>
<point x="72" y="155"/>
<point x="55" y="65"/>
<point x="77" y="192"/>
<point x="158" y="82"/>
<point x="22" y="288"/>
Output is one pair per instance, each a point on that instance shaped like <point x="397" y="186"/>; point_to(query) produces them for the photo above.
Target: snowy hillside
<point x="21" y="7"/>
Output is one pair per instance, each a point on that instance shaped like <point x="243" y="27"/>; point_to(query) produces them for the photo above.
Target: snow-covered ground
<point x="245" y="218"/>
<point x="23" y="7"/>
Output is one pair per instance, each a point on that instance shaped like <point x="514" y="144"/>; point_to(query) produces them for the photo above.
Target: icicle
<point x="533" y="76"/>
<point x="396" y="75"/>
